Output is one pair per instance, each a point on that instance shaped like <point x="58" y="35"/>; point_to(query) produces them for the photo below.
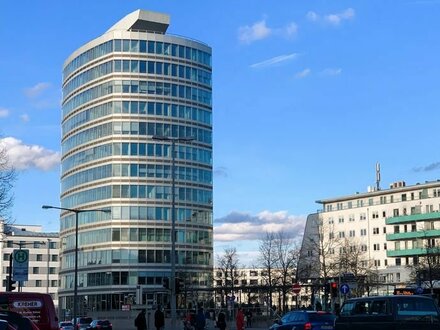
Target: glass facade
<point x="117" y="94"/>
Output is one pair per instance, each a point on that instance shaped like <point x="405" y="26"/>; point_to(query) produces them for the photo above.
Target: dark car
<point x="83" y="322"/>
<point x="305" y="320"/>
<point x="100" y="324"/>
<point x="389" y="313"/>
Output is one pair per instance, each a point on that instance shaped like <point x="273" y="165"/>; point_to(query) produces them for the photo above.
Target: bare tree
<point x="7" y="178"/>
<point x="353" y="261"/>
<point x="287" y="256"/>
<point x="268" y="260"/>
<point x="228" y="272"/>
<point x="426" y="267"/>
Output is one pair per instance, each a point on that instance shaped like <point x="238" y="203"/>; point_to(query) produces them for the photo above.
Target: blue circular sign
<point x="419" y="290"/>
<point x="344" y="289"/>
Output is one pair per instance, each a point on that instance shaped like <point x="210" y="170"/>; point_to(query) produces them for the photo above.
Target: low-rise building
<point x="43" y="257"/>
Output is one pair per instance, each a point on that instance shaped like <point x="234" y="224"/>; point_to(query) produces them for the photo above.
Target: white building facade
<point x="43" y="258"/>
<point x="392" y="226"/>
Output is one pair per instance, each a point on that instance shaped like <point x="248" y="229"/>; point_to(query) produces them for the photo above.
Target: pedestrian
<point x="239" y="320"/>
<point x="200" y="319"/>
<point x="249" y="318"/>
<point x="159" y="319"/>
<point x="141" y="322"/>
<point x="221" y="321"/>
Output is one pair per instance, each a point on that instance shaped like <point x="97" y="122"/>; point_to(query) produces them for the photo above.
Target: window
<point x="39" y="257"/>
<point x="9" y="244"/>
<point x="53" y="283"/>
<point x="384" y="214"/>
<point x="341" y="220"/>
<point x="376" y="247"/>
<point x="384" y="230"/>
<point x="403" y="197"/>
<point x="362" y="216"/>
<point x="384" y="246"/>
<point x="375" y="215"/>
<point x="351" y="218"/>
<point x="375" y="231"/>
<point x="370" y="201"/>
<point x="363" y="232"/>
<point x="330" y="221"/>
<point x="38" y="283"/>
<point x="364" y="248"/>
<point x="377" y="263"/>
<point x="396" y="229"/>
<point x="54" y="257"/>
<point x="52" y="270"/>
<point x="352" y="233"/>
<point x="35" y="270"/>
<point x="341" y="234"/>
<point x="6" y="256"/>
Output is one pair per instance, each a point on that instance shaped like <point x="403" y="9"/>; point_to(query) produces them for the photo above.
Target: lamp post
<point x="173" y="141"/>
<point x="75" y="276"/>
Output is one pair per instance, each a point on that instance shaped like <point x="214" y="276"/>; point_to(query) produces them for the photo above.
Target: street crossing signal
<point x="10" y="284"/>
<point x="180" y="285"/>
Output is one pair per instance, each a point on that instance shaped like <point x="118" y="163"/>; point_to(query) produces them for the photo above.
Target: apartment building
<point x="392" y="226"/>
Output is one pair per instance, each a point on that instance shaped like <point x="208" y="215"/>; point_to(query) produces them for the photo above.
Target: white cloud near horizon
<point x="257" y="31"/>
<point x="302" y="74"/>
<point x="4" y="112"/>
<point x="23" y="157"/>
<point x="244" y="226"/>
<point x="36" y="90"/>
<point x="274" y="60"/>
<point x="312" y="16"/>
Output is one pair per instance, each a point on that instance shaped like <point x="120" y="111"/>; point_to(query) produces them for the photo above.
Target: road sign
<point x="419" y="290"/>
<point x="296" y="288"/>
<point x="344" y="289"/>
<point x="20" y="265"/>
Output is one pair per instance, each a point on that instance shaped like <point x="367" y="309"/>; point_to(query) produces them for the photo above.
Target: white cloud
<point x="291" y="29"/>
<point x="274" y="60"/>
<point x="4" y="113"/>
<point x="302" y="74"/>
<point x="25" y="117"/>
<point x="22" y="156"/>
<point x="336" y="19"/>
<point x="36" y="90"/>
<point x="331" y="71"/>
<point x="248" y="34"/>
<point x="312" y="16"/>
<point x="244" y="226"/>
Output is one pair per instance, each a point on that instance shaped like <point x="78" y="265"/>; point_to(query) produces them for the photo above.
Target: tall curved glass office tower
<point x="131" y="84"/>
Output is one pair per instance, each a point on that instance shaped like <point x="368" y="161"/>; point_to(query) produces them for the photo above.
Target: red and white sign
<point x="296" y="288"/>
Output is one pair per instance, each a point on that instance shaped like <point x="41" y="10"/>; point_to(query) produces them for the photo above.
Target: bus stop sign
<point x="20" y="265"/>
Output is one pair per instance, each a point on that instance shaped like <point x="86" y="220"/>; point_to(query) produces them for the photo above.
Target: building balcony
<point x="413" y="235"/>
<point x="412" y="218"/>
<point x="406" y="252"/>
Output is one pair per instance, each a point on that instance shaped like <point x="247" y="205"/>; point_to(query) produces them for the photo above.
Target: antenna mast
<point x="378" y="176"/>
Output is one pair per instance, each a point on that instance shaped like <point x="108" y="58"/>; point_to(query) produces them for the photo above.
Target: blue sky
<point x="308" y="96"/>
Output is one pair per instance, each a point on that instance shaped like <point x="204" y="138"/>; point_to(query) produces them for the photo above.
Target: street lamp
<point x="75" y="276"/>
<point x="173" y="141"/>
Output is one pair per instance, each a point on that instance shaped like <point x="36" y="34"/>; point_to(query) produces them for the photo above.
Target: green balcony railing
<point x="406" y="252"/>
<point x="412" y="218"/>
<point x="413" y="235"/>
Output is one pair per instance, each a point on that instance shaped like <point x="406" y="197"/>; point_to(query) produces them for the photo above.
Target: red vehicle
<point x="38" y="307"/>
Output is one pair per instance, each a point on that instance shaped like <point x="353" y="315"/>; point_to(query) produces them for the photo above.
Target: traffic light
<point x="166" y="282"/>
<point x="334" y="289"/>
<point x="180" y="285"/>
<point x="10" y="284"/>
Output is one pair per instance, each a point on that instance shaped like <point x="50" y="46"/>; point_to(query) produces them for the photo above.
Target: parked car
<point x="83" y="322"/>
<point x="389" y="313"/>
<point x="66" y="325"/>
<point x="305" y="320"/>
<point x="100" y="325"/>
